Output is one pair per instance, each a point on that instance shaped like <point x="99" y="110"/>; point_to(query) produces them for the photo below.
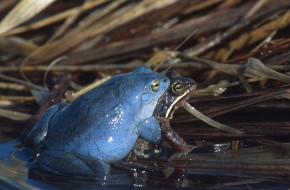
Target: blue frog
<point x="101" y="126"/>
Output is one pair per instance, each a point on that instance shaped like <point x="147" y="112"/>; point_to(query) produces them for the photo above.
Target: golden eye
<point x="177" y="88"/>
<point x="155" y="85"/>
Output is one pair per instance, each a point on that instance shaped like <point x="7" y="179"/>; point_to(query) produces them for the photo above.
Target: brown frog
<point x="176" y="95"/>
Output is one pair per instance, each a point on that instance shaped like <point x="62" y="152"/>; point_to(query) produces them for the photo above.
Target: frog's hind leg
<point x="39" y="131"/>
<point x="175" y="141"/>
<point x="63" y="163"/>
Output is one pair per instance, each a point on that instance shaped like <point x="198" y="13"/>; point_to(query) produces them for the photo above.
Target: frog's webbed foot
<point x="39" y="130"/>
<point x="62" y="163"/>
<point x="143" y="149"/>
<point x="150" y="132"/>
<point x="173" y="139"/>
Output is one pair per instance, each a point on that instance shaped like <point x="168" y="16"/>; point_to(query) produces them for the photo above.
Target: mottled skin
<point x="101" y="126"/>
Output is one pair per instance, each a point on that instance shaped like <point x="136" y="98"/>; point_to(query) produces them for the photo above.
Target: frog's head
<point x="149" y="87"/>
<point x="179" y="91"/>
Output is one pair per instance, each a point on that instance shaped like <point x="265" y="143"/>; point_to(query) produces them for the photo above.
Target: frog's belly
<point x="113" y="149"/>
<point x="106" y="147"/>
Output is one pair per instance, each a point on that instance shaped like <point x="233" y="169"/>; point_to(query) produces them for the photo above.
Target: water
<point x="13" y="169"/>
<point x="199" y="169"/>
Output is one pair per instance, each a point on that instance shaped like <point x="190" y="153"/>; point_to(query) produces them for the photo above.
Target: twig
<point x="28" y="84"/>
<point x="12" y="86"/>
<point x="210" y="121"/>
<point x="17" y="116"/>
<point x="18" y="99"/>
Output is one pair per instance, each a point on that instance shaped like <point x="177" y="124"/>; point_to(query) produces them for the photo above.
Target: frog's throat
<point x="170" y="110"/>
<point x="148" y="109"/>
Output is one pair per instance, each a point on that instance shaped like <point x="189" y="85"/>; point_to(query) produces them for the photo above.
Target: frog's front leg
<point x="39" y="131"/>
<point x="150" y="130"/>
<point x="175" y="141"/>
<point x="63" y="163"/>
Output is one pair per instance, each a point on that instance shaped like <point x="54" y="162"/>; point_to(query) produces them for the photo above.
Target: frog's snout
<point x="165" y="80"/>
<point x="191" y="84"/>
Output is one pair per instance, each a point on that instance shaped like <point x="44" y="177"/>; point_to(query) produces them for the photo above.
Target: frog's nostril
<point x="165" y="80"/>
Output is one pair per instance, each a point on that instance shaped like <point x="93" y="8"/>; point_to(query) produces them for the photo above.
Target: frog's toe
<point x="71" y="164"/>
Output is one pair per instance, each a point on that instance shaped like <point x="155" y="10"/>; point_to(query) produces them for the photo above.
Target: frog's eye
<point x="155" y="85"/>
<point x="178" y="88"/>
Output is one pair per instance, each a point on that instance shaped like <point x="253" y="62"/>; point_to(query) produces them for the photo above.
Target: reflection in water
<point x="13" y="170"/>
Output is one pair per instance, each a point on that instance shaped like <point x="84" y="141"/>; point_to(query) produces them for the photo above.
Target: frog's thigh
<point x="150" y="130"/>
<point x="40" y="129"/>
<point x="71" y="164"/>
